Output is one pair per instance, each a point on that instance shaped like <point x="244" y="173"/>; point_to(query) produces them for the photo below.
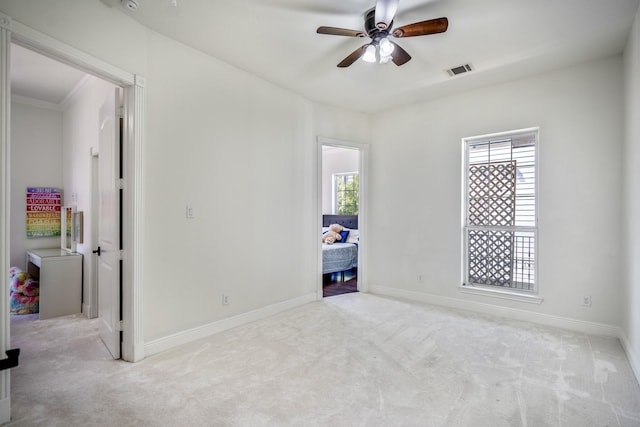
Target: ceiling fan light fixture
<point x="385" y="58"/>
<point x="369" y="54"/>
<point x="386" y="47"/>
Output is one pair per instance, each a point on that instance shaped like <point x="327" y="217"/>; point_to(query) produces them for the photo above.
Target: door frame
<point x="134" y="93"/>
<point x="363" y="172"/>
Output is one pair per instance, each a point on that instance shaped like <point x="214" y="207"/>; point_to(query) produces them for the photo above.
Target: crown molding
<point x="76" y="90"/>
<point x="38" y="103"/>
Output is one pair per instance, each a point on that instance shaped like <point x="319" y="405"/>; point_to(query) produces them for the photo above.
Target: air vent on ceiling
<point x="460" y="69"/>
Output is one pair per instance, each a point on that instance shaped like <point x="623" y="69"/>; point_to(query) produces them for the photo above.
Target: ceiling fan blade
<point x="385" y="12"/>
<point x="399" y="56"/>
<point x="355" y="55"/>
<point x="432" y="26"/>
<point x="340" y="32"/>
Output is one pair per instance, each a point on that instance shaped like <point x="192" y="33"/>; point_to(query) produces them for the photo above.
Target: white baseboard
<point x="86" y="310"/>
<point x="134" y="353"/>
<point x="5" y="410"/>
<point x="634" y="361"/>
<point x="180" y="338"/>
<point x="511" y="313"/>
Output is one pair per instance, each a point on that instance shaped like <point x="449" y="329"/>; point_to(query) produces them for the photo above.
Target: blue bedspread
<point x="339" y="257"/>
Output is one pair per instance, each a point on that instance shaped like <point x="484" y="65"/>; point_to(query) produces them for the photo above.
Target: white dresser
<point x="60" y="275"/>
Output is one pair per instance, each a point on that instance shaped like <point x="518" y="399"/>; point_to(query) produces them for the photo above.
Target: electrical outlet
<point x="420" y="278"/>
<point x="190" y="213"/>
<point x="586" y="301"/>
<point x="225" y="299"/>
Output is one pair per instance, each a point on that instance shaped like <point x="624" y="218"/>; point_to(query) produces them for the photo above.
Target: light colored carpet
<point x="350" y="360"/>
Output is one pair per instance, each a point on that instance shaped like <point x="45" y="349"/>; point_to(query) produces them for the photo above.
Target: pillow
<point x="354" y="237"/>
<point x="344" y="233"/>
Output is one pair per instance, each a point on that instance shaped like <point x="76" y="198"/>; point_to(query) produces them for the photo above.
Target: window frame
<point x="532" y="296"/>
<point x="334" y="189"/>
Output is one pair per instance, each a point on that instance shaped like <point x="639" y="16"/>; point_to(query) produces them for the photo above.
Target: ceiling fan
<point x="378" y="25"/>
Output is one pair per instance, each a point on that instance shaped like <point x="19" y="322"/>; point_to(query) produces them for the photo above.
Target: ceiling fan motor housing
<point x="371" y="28"/>
<point x="131" y="5"/>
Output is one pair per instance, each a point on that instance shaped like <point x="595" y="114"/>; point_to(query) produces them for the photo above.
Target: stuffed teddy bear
<point x="16" y="280"/>
<point x="333" y="234"/>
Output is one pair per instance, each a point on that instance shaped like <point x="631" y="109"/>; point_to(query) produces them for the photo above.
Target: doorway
<point x="55" y="117"/>
<point x="131" y="325"/>
<point x="342" y="185"/>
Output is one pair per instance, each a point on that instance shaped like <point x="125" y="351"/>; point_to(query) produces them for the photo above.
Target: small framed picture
<point x="78" y="225"/>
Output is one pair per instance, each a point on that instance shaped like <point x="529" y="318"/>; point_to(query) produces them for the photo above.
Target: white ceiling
<point x="502" y="39"/>
<point x="36" y="76"/>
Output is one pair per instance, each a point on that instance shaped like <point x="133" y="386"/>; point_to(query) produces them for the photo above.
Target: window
<point x="500" y="211"/>
<point x="345" y="193"/>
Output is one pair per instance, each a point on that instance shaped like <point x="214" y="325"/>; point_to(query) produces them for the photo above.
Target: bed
<point x="341" y="256"/>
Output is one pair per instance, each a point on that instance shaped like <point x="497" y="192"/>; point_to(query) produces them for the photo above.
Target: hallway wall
<point x="36" y="161"/>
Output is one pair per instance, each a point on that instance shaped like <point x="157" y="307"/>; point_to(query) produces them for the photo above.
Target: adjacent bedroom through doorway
<point x="340" y="209"/>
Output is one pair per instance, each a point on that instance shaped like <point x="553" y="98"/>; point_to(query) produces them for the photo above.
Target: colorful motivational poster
<point x="43" y="211"/>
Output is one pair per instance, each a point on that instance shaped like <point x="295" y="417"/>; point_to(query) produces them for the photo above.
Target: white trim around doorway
<point x="5" y="211"/>
<point x="362" y="214"/>
<point x="134" y="95"/>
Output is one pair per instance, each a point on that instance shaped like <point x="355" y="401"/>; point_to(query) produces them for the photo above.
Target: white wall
<point x="631" y="226"/>
<point x="236" y="149"/>
<point x="579" y="112"/>
<point x="81" y="132"/>
<point x="340" y="124"/>
<point x="239" y="150"/>
<point x="36" y="161"/>
<point x="336" y="160"/>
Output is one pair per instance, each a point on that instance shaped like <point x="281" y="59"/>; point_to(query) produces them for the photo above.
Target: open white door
<point x="109" y="227"/>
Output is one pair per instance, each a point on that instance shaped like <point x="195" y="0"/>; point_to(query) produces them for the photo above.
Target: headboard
<point x="348" y="221"/>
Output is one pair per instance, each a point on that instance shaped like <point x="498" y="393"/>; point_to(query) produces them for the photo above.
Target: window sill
<point x="496" y="293"/>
